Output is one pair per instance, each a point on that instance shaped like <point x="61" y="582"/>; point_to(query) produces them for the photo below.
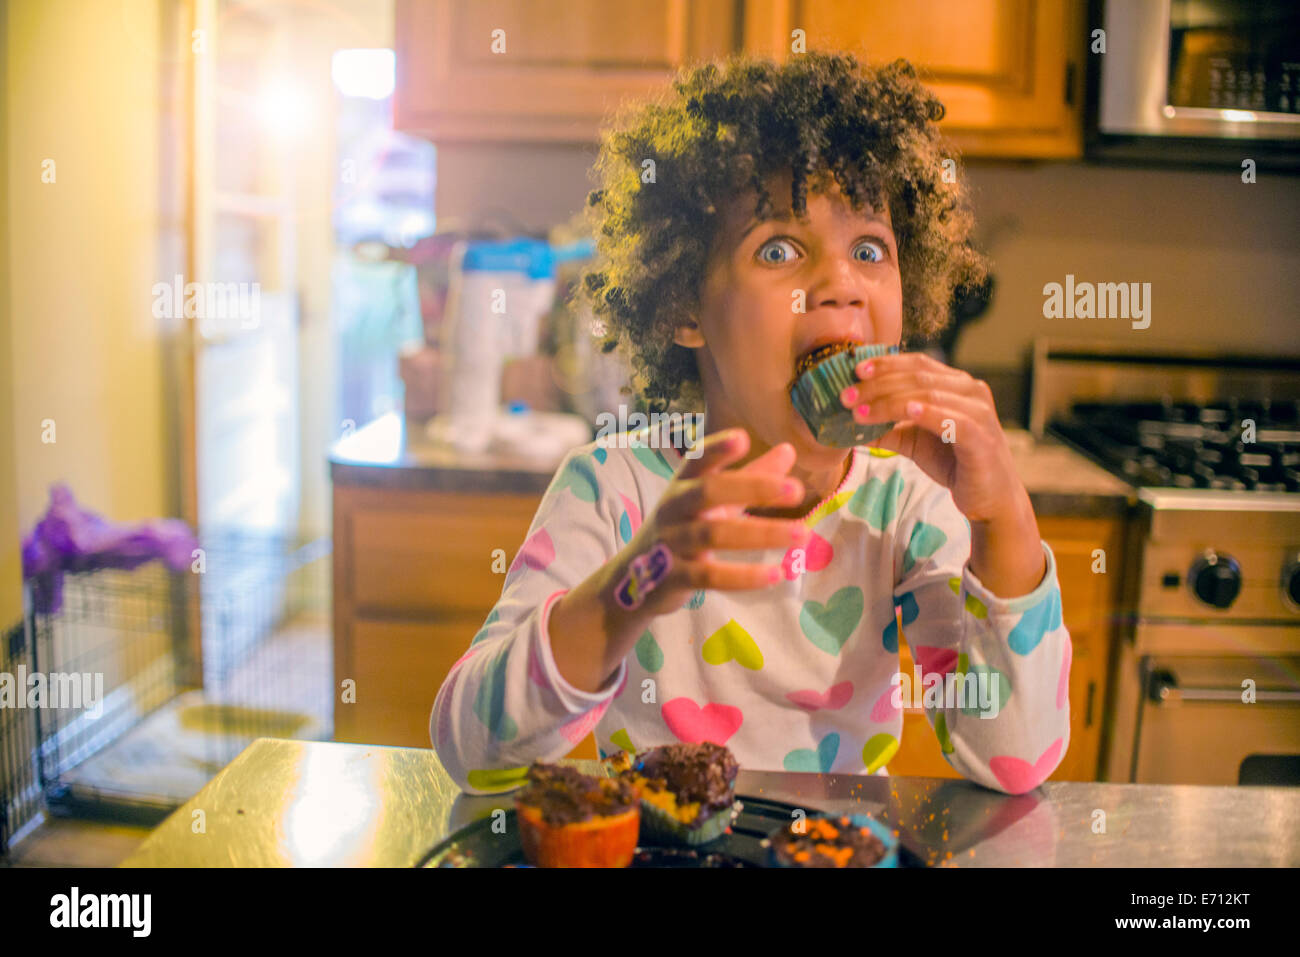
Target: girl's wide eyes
<point x="877" y="251"/>
<point x="778" y="250"/>
<point x="773" y="246"/>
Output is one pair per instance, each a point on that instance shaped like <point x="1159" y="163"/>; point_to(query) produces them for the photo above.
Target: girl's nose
<point x="837" y="283"/>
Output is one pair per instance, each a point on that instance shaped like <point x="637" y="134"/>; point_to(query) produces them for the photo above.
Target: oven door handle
<point x="1164" y="689"/>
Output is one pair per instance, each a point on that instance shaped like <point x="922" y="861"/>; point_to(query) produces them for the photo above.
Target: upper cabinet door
<point x="1009" y="72"/>
<point x="543" y="70"/>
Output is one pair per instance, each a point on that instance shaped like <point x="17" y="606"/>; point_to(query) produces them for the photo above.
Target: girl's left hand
<point x="946" y="423"/>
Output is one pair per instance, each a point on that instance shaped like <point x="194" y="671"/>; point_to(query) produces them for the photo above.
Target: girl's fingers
<point x="881" y="387"/>
<point x="910" y="405"/>
<point x="901" y="362"/>
<point x="696" y="496"/>
<point x="912" y="371"/>
<point x="692" y="539"/>
<point x="706" y="573"/>
<point x="952" y="427"/>
<point x="935" y="438"/>
<point x="778" y="460"/>
<point x="717" y="451"/>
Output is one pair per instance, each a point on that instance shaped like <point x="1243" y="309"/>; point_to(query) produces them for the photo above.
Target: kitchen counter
<point x="294" y="803"/>
<point x="1062" y="482"/>
<point x="394" y="453"/>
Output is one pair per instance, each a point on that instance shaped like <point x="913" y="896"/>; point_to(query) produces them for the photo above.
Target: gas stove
<point x="1207" y="657"/>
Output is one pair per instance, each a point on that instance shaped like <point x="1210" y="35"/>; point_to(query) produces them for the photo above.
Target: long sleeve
<point x="504" y="704"/>
<point x="1002" y="711"/>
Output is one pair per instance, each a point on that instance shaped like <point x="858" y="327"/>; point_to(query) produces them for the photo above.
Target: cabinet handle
<point x="1092" y="688"/>
<point x="1069" y="83"/>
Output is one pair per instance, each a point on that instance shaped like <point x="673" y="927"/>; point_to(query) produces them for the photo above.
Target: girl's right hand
<point x="702" y="511"/>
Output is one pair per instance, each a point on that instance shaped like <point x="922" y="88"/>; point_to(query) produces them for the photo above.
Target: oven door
<point x="1219" y="720"/>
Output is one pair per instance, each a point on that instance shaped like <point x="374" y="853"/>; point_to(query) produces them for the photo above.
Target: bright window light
<point x="284" y="108"/>
<point x="368" y="73"/>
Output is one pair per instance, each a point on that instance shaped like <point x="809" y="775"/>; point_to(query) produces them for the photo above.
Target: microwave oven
<point x="1194" y="82"/>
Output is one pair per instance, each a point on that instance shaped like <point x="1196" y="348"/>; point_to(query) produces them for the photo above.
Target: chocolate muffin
<point x="834" y="841"/>
<point x="810" y="359"/>
<point x="569" y="819"/>
<point x="687" y="790"/>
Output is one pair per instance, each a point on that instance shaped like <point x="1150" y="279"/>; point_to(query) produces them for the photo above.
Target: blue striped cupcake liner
<point x="816" y="397"/>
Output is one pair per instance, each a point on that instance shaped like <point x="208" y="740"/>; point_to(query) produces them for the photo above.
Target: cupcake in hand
<point x="819" y="378"/>
<point x="569" y="819"/>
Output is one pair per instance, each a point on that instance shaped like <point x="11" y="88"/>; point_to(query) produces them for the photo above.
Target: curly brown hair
<point x="725" y="127"/>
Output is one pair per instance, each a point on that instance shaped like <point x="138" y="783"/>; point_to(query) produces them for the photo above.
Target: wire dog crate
<point x="138" y="715"/>
<point x="20" y="792"/>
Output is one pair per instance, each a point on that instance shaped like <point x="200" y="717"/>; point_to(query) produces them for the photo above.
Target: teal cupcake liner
<point x="884" y="834"/>
<point x="816" y="397"/>
<point x="660" y="827"/>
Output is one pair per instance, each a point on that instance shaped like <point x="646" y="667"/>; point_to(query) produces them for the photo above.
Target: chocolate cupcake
<point x="569" y="819"/>
<point x="687" y="791"/>
<point x="819" y="378"/>
<point x="827" y="840"/>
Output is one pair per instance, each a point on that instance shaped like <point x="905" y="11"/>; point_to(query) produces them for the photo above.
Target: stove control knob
<point x="1162" y="686"/>
<point x="1216" y="579"/>
<point x="1291" y="580"/>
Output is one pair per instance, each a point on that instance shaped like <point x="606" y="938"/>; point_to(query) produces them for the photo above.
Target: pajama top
<point x="798" y="676"/>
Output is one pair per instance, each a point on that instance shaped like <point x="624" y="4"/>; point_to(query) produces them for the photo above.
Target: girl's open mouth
<point x="818" y="353"/>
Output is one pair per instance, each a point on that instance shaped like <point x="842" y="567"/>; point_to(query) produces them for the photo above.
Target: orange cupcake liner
<point x="603" y="841"/>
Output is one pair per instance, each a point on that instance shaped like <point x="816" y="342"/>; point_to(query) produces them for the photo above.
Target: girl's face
<point x="750" y="332"/>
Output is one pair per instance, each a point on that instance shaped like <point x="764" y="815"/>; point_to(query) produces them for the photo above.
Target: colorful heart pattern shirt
<point x="801" y="676"/>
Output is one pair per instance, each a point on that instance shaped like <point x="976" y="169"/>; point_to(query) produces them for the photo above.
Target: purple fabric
<point x="71" y="539"/>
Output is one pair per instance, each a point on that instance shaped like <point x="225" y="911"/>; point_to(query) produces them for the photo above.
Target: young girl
<point x="748" y="590"/>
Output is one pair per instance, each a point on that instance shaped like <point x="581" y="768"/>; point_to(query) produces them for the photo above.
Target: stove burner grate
<point x="1229" y="444"/>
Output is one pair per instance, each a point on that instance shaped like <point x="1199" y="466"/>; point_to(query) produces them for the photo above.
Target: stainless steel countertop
<point x="294" y="803"/>
<point x="393" y="452"/>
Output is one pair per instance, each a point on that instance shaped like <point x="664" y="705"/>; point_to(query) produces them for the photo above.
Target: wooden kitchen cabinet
<point x="1090" y="603"/>
<point x="428" y="554"/>
<point x="565" y="65"/>
<point x="1090" y="608"/>
<point x="1008" y="71"/>
<point x="399" y="667"/>
<point x="413" y="583"/>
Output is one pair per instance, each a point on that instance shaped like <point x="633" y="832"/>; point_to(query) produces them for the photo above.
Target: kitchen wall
<point x="81" y="87"/>
<point x="538" y="185"/>
<point x="11" y="607"/>
<point x="1221" y="255"/>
